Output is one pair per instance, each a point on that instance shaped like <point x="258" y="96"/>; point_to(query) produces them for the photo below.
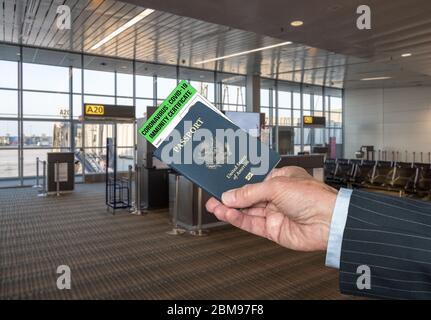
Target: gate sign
<point x="312" y="121"/>
<point x="108" y="111"/>
<point x="94" y="109"/>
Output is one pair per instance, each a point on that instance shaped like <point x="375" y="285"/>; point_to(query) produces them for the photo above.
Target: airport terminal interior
<point x="347" y="99"/>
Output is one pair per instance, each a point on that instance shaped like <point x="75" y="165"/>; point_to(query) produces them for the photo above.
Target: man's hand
<point x="289" y="207"/>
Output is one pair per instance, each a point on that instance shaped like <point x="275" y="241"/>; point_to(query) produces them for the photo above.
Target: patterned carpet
<point x="131" y="257"/>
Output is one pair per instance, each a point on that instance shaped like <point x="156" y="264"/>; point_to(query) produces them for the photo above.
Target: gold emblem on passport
<point x="94" y="109"/>
<point x="212" y="152"/>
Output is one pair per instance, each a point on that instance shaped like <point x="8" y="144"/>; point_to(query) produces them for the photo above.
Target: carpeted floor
<point x="131" y="257"/>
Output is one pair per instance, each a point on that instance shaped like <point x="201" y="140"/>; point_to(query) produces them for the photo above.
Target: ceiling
<point x="328" y="50"/>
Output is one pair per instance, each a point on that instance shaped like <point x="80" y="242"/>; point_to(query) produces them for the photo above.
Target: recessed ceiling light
<point x="124" y="27"/>
<point x="244" y="52"/>
<point x="405" y="55"/>
<point x="375" y="78"/>
<point x="297" y="23"/>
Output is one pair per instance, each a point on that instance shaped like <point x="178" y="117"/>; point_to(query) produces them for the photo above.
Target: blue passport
<point x="214" y="153"/>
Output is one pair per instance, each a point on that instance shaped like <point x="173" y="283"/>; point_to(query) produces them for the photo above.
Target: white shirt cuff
<point x="338" y="223"/>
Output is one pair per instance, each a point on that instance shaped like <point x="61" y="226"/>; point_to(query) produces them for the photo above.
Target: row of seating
<point x="412" y="178"/>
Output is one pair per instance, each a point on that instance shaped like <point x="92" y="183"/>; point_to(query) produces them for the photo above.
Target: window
<point x="297" y="120"/>
<point x="45" y="105"/>
<point x="296" y="100"/>
<point x="8" y="103"/>
<point x="96" y="134"/>
<point x="29" y="164"/>
<point x="233" y="95"/>
<point x="8" y="163"/>
<point x="144" y="87"/>
<point x="99" y="99"/>
<point x="264" y="97"/>
<point x="284" y="117"/>
<point x="48" y="91"/>
<point x="125" y="135"/>
<point x="141" y="107"/>
<point x="8" y="134"/>
<point x="307" y="135"/>
<point x="318" y="103"/>
<point x="124" y="101"/>
<point x="164" y="87"/>
<point x="319" y="136"/>
<point x="77" y="80"/>
<point x="269" y="116"/>
<point x="336" y="104"/>
<point x="99" y="82"/>
<point x="306" y="101"/>
<point x="284" y="99"/>
<point x="124" y="85"/>
<point x="8" y="74"/>
<point x="291" y="106"/>
<point x="46" y="134"/>
<point x="335" y="119"/>
<point x="206" y="89"/>
<point x="338" y="134"/>
<point x="77" y="106"/>
<point x="46" y="78"/>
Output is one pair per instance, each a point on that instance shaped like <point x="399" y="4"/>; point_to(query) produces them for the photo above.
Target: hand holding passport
<point x="198" y="141"/>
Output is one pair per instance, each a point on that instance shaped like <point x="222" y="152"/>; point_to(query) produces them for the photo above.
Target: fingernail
<point x="228" y="197"/>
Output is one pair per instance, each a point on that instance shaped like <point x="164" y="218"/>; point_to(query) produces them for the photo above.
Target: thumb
<point x="248" y="195"/>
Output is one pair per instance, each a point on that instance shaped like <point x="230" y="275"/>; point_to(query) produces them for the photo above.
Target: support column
<point x="252" y="92"/>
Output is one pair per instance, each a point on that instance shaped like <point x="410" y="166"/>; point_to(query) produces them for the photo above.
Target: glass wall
<point x="9" y="116"/>
<point x="42" y="94"/>
<point x="285" y="104"/>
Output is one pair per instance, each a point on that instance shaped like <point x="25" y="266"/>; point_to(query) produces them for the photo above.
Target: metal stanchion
<point x="137" y="206"/>
<point x="406" y="156"/>
<point x="414" y="157"/>
<point x="199" y="232"/>
<point x="37" y="185"/>
<point x="380" y="154"/>
<point x="57" y="177"/>
<point x="422" y="157"/>
<point x="175" y="230"/>
<point x="129" y="186"/>
<point x="43" y="192"/>
<point x="393" y="155"/>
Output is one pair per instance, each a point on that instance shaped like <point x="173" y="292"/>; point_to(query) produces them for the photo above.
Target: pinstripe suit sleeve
<point x="392" y="236"/>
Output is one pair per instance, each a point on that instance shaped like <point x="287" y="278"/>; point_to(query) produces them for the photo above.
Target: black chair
<point x="385" y="164"/>
<point x="330" y="166"/>
<point x="404" y="165"/>
<point x="382" y="174"/>
<point x="343" y="172"/>
<point x="342" y="161"/>
<point x="363" y="173"/>
<point x="423" y="183"/>
<point x="404" y="179"/>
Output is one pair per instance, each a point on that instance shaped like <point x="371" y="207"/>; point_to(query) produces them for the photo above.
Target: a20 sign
<point x="94" y="110"/>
